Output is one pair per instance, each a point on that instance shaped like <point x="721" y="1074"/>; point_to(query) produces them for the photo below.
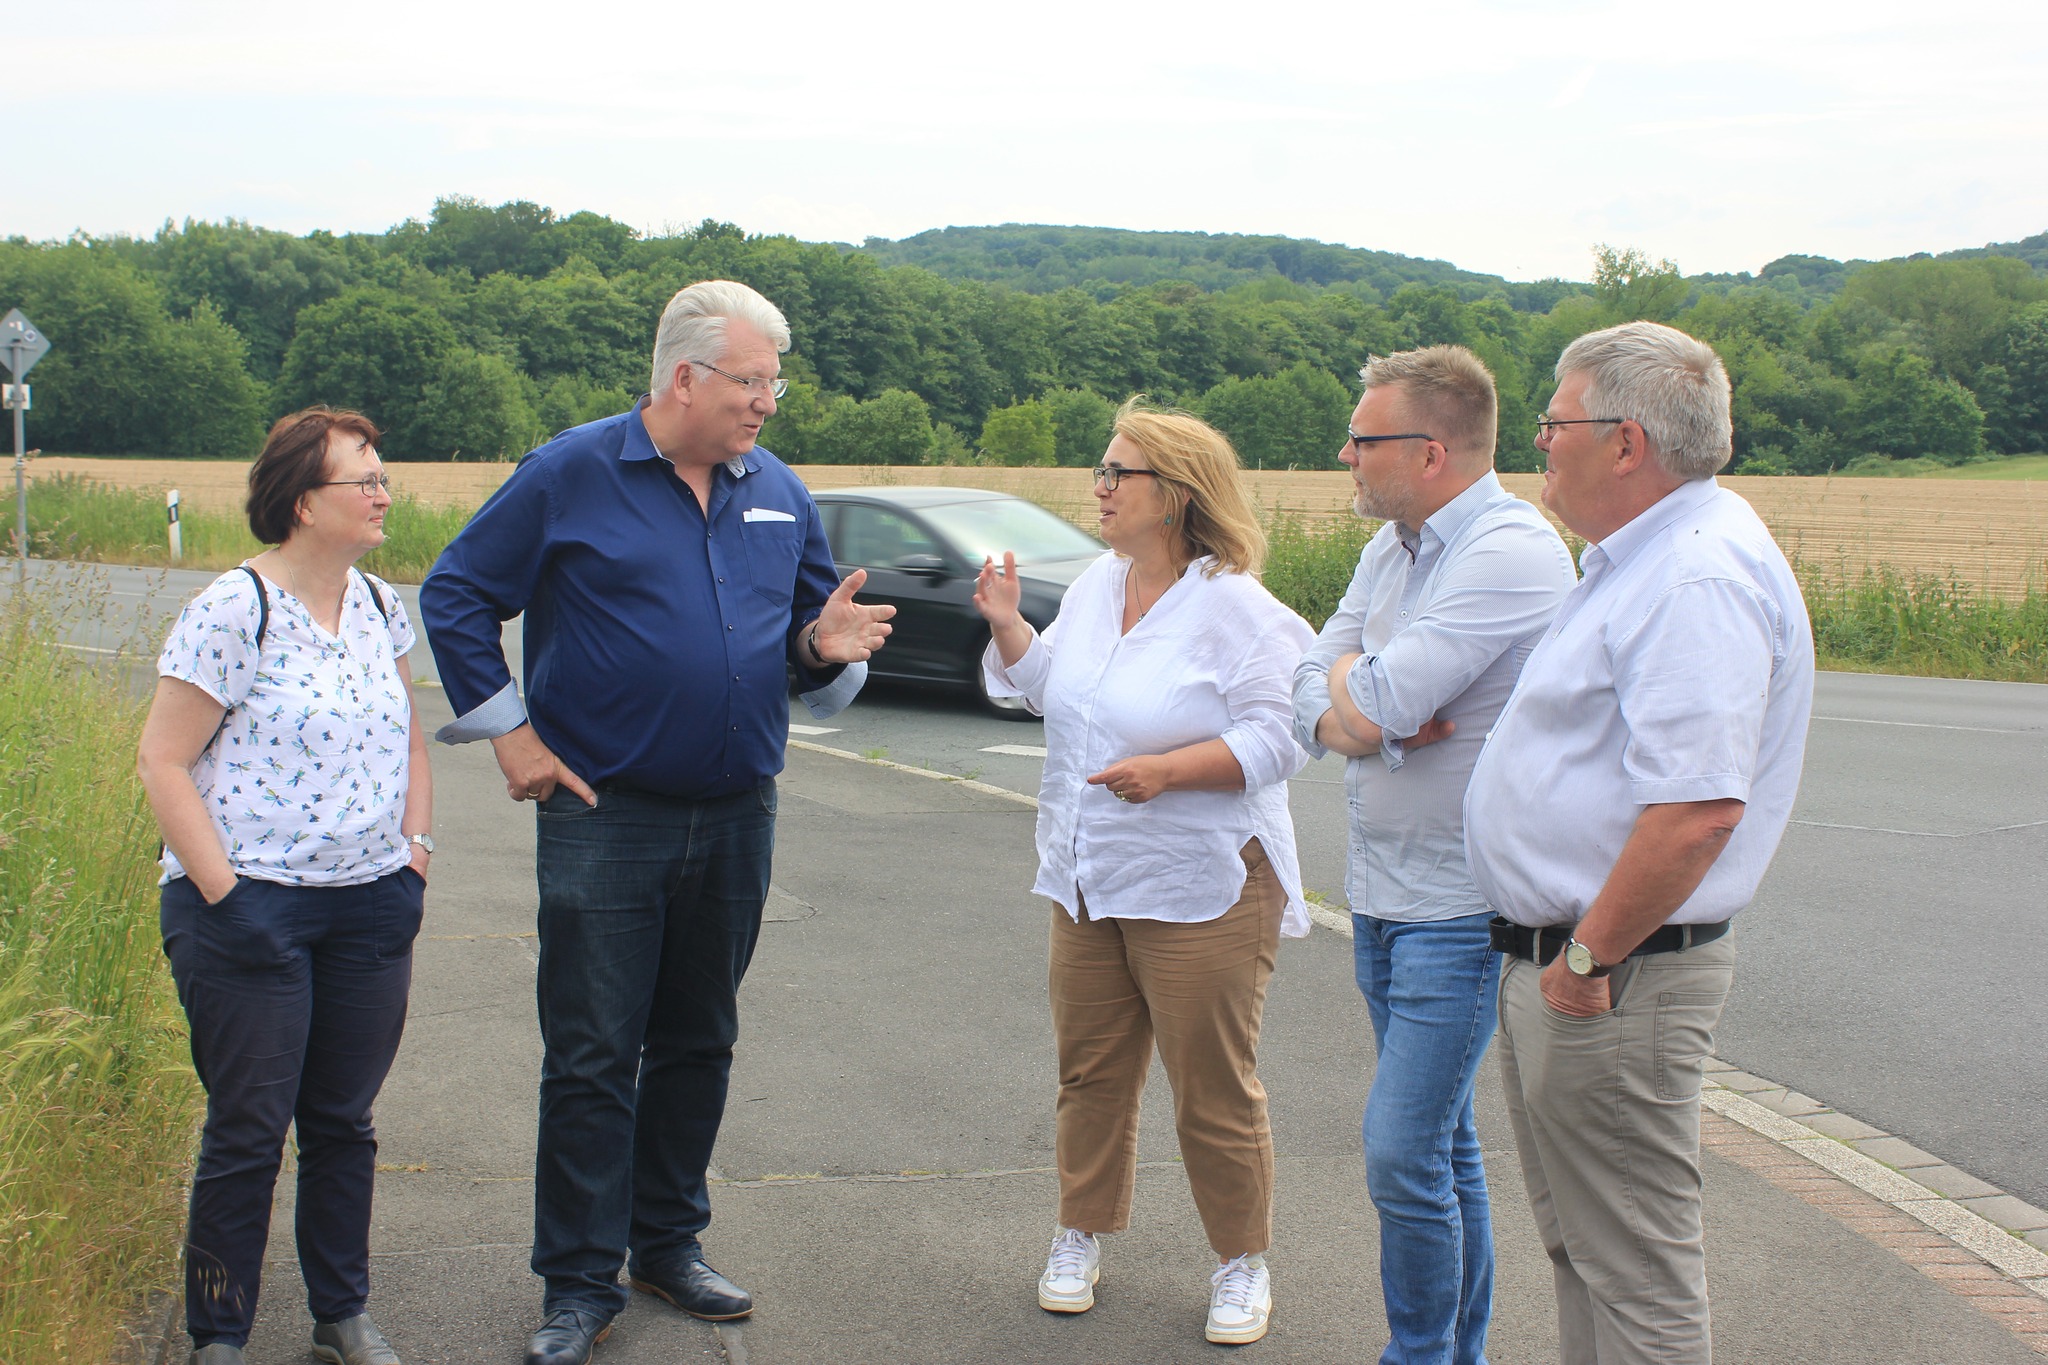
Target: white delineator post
<point x="177" y="534"/>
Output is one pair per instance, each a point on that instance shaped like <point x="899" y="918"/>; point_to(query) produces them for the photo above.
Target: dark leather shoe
<point x="567" y="1337"/>
<point x="695" y="1288"/>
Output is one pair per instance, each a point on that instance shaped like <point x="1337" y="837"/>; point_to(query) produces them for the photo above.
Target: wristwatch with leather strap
<point x="1579" y="960"/>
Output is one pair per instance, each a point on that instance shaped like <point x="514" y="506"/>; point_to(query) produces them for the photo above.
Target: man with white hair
<point x="669" y="570"/>
<point x="1627" y="805"/>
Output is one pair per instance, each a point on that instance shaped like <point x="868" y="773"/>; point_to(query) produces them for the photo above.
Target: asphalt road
<point x="1892" y="966"/>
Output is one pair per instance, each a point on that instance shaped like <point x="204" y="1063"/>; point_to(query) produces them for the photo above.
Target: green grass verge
<point x="2010" y="467"/>
<point x="74" y="518"/>
<point x="98" y="1104"/>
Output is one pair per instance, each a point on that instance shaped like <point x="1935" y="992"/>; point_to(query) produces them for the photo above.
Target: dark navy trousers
<point x="649" y="911"/>
<point x="296" y="998"/>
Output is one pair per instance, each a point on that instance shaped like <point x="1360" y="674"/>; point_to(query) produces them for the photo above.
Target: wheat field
<point x="1991" y="535"/>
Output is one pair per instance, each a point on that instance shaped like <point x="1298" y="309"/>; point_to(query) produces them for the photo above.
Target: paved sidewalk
<point x="886" y="1189"/>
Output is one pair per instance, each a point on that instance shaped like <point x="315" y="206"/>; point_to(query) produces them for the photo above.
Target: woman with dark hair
<point x="289" y="775"/>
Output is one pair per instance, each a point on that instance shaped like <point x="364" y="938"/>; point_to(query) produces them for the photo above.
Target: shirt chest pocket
<point x="773" y="550"/>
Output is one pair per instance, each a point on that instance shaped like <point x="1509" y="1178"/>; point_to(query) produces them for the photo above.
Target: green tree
<point x="473" y="407"/>
<point x="2022" y="365"/>
<point x="1901" y="408"/>
<point x="257" y="278"/>
<point x="892" y="428"/>
<point x="123" y="375"/>
<point x="1021" y="434"/>
<point x="1631" y="287"/>
<point x="1292" y="420"/>
<point x="1081" y="425"/>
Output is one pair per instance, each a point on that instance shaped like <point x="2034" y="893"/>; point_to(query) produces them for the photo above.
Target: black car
<point x="923" y="546"/>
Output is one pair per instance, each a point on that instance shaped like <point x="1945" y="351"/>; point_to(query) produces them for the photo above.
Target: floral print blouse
<point x="306" y="780"/>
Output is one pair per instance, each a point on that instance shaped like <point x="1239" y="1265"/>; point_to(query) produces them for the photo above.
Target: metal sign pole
<point x="15" y="366"/>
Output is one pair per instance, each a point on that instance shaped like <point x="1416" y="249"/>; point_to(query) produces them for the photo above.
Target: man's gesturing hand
<point x="848" y="631"/>
<point x="532" y="772"/>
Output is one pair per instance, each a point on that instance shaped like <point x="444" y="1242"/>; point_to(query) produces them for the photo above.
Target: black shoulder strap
<point x="262" y="607"/>
<point x="375" y="596"/>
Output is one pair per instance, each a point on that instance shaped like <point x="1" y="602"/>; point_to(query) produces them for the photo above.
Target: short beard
<point x="1379" y="506"/>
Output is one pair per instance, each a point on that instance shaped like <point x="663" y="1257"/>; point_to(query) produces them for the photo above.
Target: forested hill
<point x="1040" y="259"/>
<point x="479" y="330"/>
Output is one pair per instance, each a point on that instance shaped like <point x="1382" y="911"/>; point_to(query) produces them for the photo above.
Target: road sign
<point x="21" y="345"/>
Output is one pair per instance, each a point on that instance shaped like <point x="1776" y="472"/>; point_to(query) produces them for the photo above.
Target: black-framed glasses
<point x="755" y="387"/>
<point x="1110" y="475"/>
<point x="1357" y="440"/>
<point x="368" y="484"/>
<point x="1544" y="424"/>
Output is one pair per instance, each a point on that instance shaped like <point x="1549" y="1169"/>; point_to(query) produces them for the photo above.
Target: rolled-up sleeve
<point x="1261" y="734"/>
<point x="1026" y="678"/>
<point x="1501" y="590"/>
<point x="1342" y="634"/>
<point x="1693" y="682"/>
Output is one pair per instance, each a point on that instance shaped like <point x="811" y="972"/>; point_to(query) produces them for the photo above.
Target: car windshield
<point x="984" y="529"/>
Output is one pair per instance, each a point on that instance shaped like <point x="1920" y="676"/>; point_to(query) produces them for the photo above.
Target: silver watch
<point x="425" y="841"/>
<point x="1578" y="959"/>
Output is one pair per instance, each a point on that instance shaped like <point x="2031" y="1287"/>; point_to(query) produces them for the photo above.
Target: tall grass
<point x="1308" y="565"/>
<point x="74" y="518"/>
<point x="98" y="1104"/>
<point x="1881" y="621"/>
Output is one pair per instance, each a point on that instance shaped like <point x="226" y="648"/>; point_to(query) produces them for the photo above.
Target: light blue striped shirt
<point x="1445" y="617"/>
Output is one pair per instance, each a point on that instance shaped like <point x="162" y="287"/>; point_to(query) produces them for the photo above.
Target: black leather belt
<point x="1541" y="945"/>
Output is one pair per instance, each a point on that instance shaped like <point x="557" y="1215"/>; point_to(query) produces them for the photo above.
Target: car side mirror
<point x="923" y="564"/>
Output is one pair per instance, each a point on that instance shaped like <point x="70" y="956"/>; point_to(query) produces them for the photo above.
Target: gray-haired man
<point x="1622" y="814"/>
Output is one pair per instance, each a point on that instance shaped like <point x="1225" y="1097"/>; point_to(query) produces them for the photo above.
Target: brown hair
<point x="293" y="464"/>
<point x="1202" y="483"/>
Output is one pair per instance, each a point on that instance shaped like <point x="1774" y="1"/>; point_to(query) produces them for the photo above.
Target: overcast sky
<point x="1507" y="136"/>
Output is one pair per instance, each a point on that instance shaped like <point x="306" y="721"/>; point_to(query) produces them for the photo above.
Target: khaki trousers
<point x="1200" y="991"/>
<point x="1606" y="1113"/>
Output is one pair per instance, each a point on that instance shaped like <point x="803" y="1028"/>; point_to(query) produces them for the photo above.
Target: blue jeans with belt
<point x="1430" y="989"/>
<point x="650" y="907"/>
<point x="296" y="998"/>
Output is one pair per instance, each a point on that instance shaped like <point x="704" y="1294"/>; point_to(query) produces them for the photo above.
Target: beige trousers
<point x="1199" y="990"/>
<point x="1606" y="1113"/>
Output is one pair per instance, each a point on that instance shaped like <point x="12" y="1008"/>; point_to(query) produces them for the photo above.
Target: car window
<point x="875" y="535"/>
<point x="984" y="529"/>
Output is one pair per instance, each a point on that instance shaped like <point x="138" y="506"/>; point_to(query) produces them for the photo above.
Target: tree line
<point x="475" y="333"/>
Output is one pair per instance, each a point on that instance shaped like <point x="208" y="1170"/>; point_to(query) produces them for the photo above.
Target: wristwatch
<point x="425" y="841"/>
<point x="1578" y="959"/>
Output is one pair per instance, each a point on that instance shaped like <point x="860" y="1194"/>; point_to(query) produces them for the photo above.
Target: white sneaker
<point x="1068" y="1284"/>
<point x="1240" y="1301"/>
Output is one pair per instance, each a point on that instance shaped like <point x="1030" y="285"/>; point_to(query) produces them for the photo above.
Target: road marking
<point x="86" y="649"/>
<point x="1927" y="725"/>
<point x="796" y="729"/>
<point x="1020" y="750"/>
<point x="1922" y="833"/>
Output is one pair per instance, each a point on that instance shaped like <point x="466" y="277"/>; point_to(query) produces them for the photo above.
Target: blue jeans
<point x="296" y="1000"/>
<point x="1431" y="991"/>
<point x="649" y="910"/>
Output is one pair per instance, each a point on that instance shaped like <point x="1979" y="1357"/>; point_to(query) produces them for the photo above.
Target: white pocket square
<point x="765" y="514"/>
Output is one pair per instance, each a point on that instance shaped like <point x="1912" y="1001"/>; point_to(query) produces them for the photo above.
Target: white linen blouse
<point x="1213" y="658"/>
<point x="306" y="780"/>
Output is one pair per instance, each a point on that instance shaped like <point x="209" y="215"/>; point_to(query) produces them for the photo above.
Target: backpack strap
<point x="376" y="597"/>
<point x="262" y="605"/>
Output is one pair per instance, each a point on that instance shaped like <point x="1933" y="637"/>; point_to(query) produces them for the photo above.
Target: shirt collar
<point x="1450" y="519"/>
<point x="1623" y="543"/>
<point x="640" y="446"/>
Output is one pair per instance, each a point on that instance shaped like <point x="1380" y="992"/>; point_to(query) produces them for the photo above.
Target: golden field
<point x="1992" y="535"/>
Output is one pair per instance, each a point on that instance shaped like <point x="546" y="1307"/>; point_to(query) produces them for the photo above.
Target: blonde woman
<point x="1165" y="843"/>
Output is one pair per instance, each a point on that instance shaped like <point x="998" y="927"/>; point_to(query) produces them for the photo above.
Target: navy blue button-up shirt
<point x="656" y="631"/>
